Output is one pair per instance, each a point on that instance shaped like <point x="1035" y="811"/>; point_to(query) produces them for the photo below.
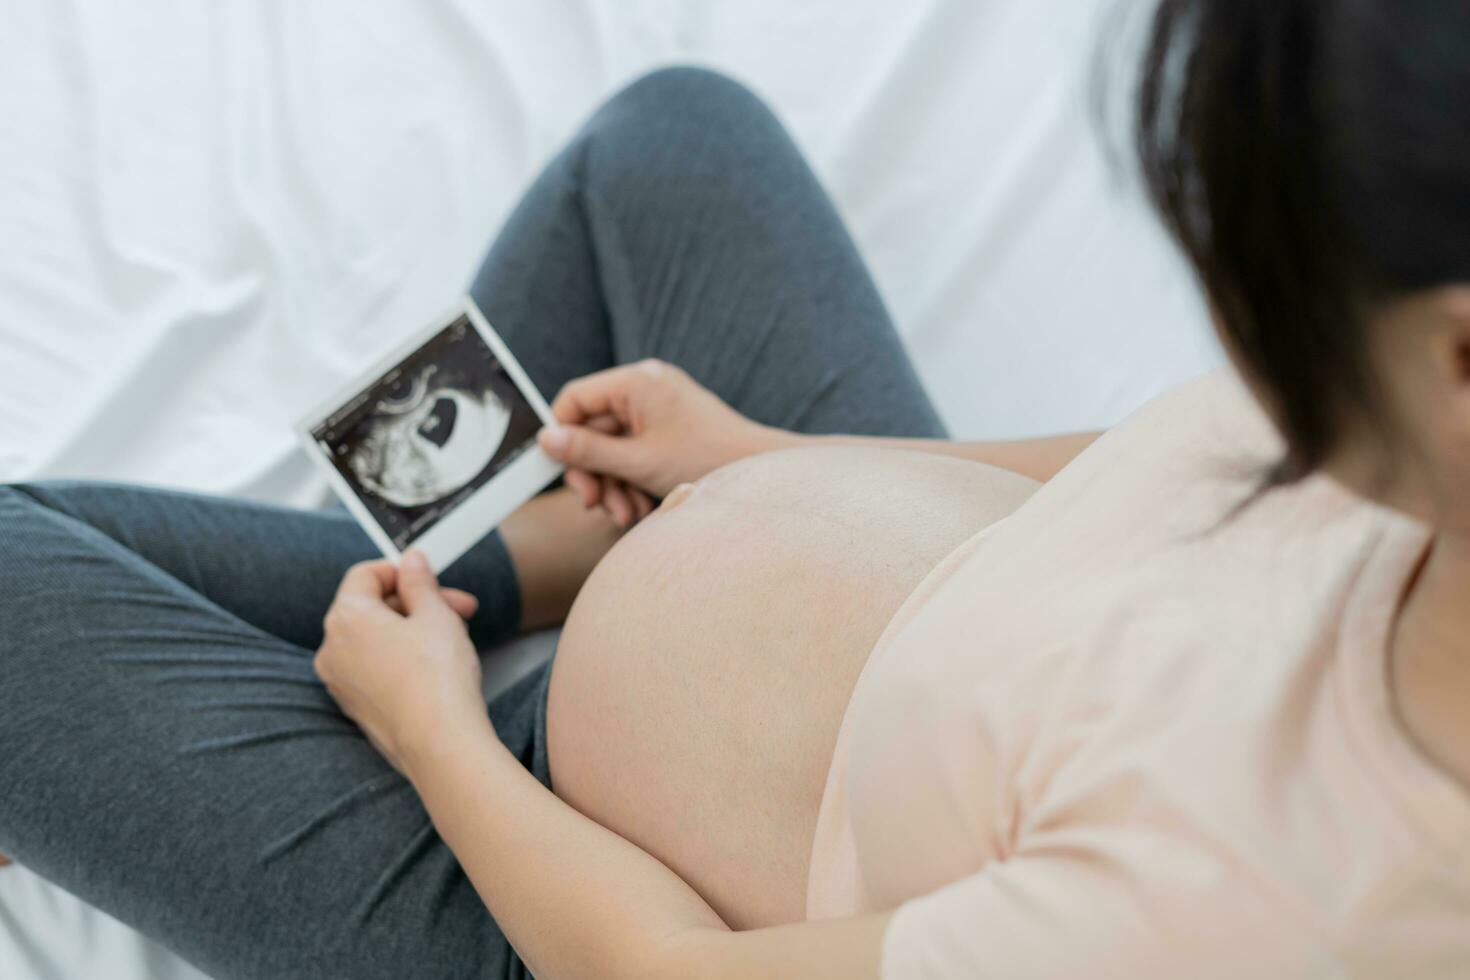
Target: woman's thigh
<point x="276" y="568"/>
<point x="683" y="223"/>
<point x="185" y="771"/>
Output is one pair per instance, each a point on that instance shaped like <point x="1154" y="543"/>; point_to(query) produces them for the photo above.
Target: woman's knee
<point x="15" y="505"/>
<point x="34" y="495"/>
<point x="22" y="506"/>
<point x="684" y="91"/>
<point x="46" y="547"/>
<point x="683" y="126"/>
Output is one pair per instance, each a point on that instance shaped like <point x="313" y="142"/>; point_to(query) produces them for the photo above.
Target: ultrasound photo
<point x="427" y="435"/>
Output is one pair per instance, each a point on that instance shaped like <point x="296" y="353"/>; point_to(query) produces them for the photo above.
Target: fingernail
<point x="554" y="439"/>
<point x="416" y="561"/>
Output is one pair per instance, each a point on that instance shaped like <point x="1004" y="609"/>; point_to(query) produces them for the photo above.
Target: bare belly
<point x="705" y="668"/>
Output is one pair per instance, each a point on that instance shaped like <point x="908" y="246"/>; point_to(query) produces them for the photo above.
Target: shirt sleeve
<point x="1068" y="916"/>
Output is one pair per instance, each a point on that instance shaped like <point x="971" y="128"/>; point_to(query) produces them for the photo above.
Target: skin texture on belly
<point x="704" y="670"/>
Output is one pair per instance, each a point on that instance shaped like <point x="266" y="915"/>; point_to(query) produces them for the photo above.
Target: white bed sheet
<point x="210" y="213"/>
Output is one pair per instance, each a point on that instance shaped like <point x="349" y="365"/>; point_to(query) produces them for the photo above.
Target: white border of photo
<point x="464" y="526"/>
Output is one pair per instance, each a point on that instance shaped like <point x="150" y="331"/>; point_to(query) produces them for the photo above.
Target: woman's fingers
<point x="625" y="504"/>
<point x="611" y="392"/>
<point x="461" y="602"/>
<point x="615" y="498"/>
<point x="642" y="503"/>
<point x="418" y="586"/>
<point x="464" y="604"/>
<point x="370" y="579"/>
<point x="603" y="393"/>
<point x="632" y="505"/>
<point x="585" y="448"/>
<point x="586" y="486"/>
<point x="381" y="580"/>
<point x="606" y="424"/>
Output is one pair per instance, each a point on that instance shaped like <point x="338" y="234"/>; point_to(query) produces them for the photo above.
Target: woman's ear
<point x="1416" y="456"/>
<point x="1452" y="316"/>
<point x="1442" y="389"/>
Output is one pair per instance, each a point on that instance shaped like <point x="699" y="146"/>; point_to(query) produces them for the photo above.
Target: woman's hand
<point x="631" y="434"/>
<point x="398" y="659"/>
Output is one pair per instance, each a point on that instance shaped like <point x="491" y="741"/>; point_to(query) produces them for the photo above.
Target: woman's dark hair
<point x="1312" y="157"/>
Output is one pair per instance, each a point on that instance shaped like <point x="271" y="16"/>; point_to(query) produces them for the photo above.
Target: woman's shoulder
<point x="1175" y="468"/>
<point x="1205" y="427"/>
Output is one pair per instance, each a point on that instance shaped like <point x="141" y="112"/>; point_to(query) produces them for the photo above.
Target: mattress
<point x="212" y="213"/>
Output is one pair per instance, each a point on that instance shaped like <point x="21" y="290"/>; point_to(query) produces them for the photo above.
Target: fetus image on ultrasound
<point x="429" y="432"/>
<point x="430" y="442"/>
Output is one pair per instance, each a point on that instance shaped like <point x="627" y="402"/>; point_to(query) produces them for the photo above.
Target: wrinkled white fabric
<point x="211" y="213"/>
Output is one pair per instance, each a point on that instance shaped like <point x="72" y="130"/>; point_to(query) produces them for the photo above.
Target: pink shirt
<point x="1117" y="735"/>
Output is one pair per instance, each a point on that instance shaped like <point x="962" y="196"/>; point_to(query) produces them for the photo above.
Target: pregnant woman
<point x="852" y="701"/>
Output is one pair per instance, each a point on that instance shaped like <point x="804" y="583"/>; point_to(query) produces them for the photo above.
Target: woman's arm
<point x="1039" y="459"/>
<point x="554" y="543"/>
<point x="645" y="428"/>
<point x="575" y="899"/>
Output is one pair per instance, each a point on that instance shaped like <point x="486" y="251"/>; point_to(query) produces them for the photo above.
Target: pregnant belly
<point x="705" y="668"/>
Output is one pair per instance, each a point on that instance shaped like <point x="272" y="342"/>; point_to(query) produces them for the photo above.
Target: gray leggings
<point x="165" y="750"/>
